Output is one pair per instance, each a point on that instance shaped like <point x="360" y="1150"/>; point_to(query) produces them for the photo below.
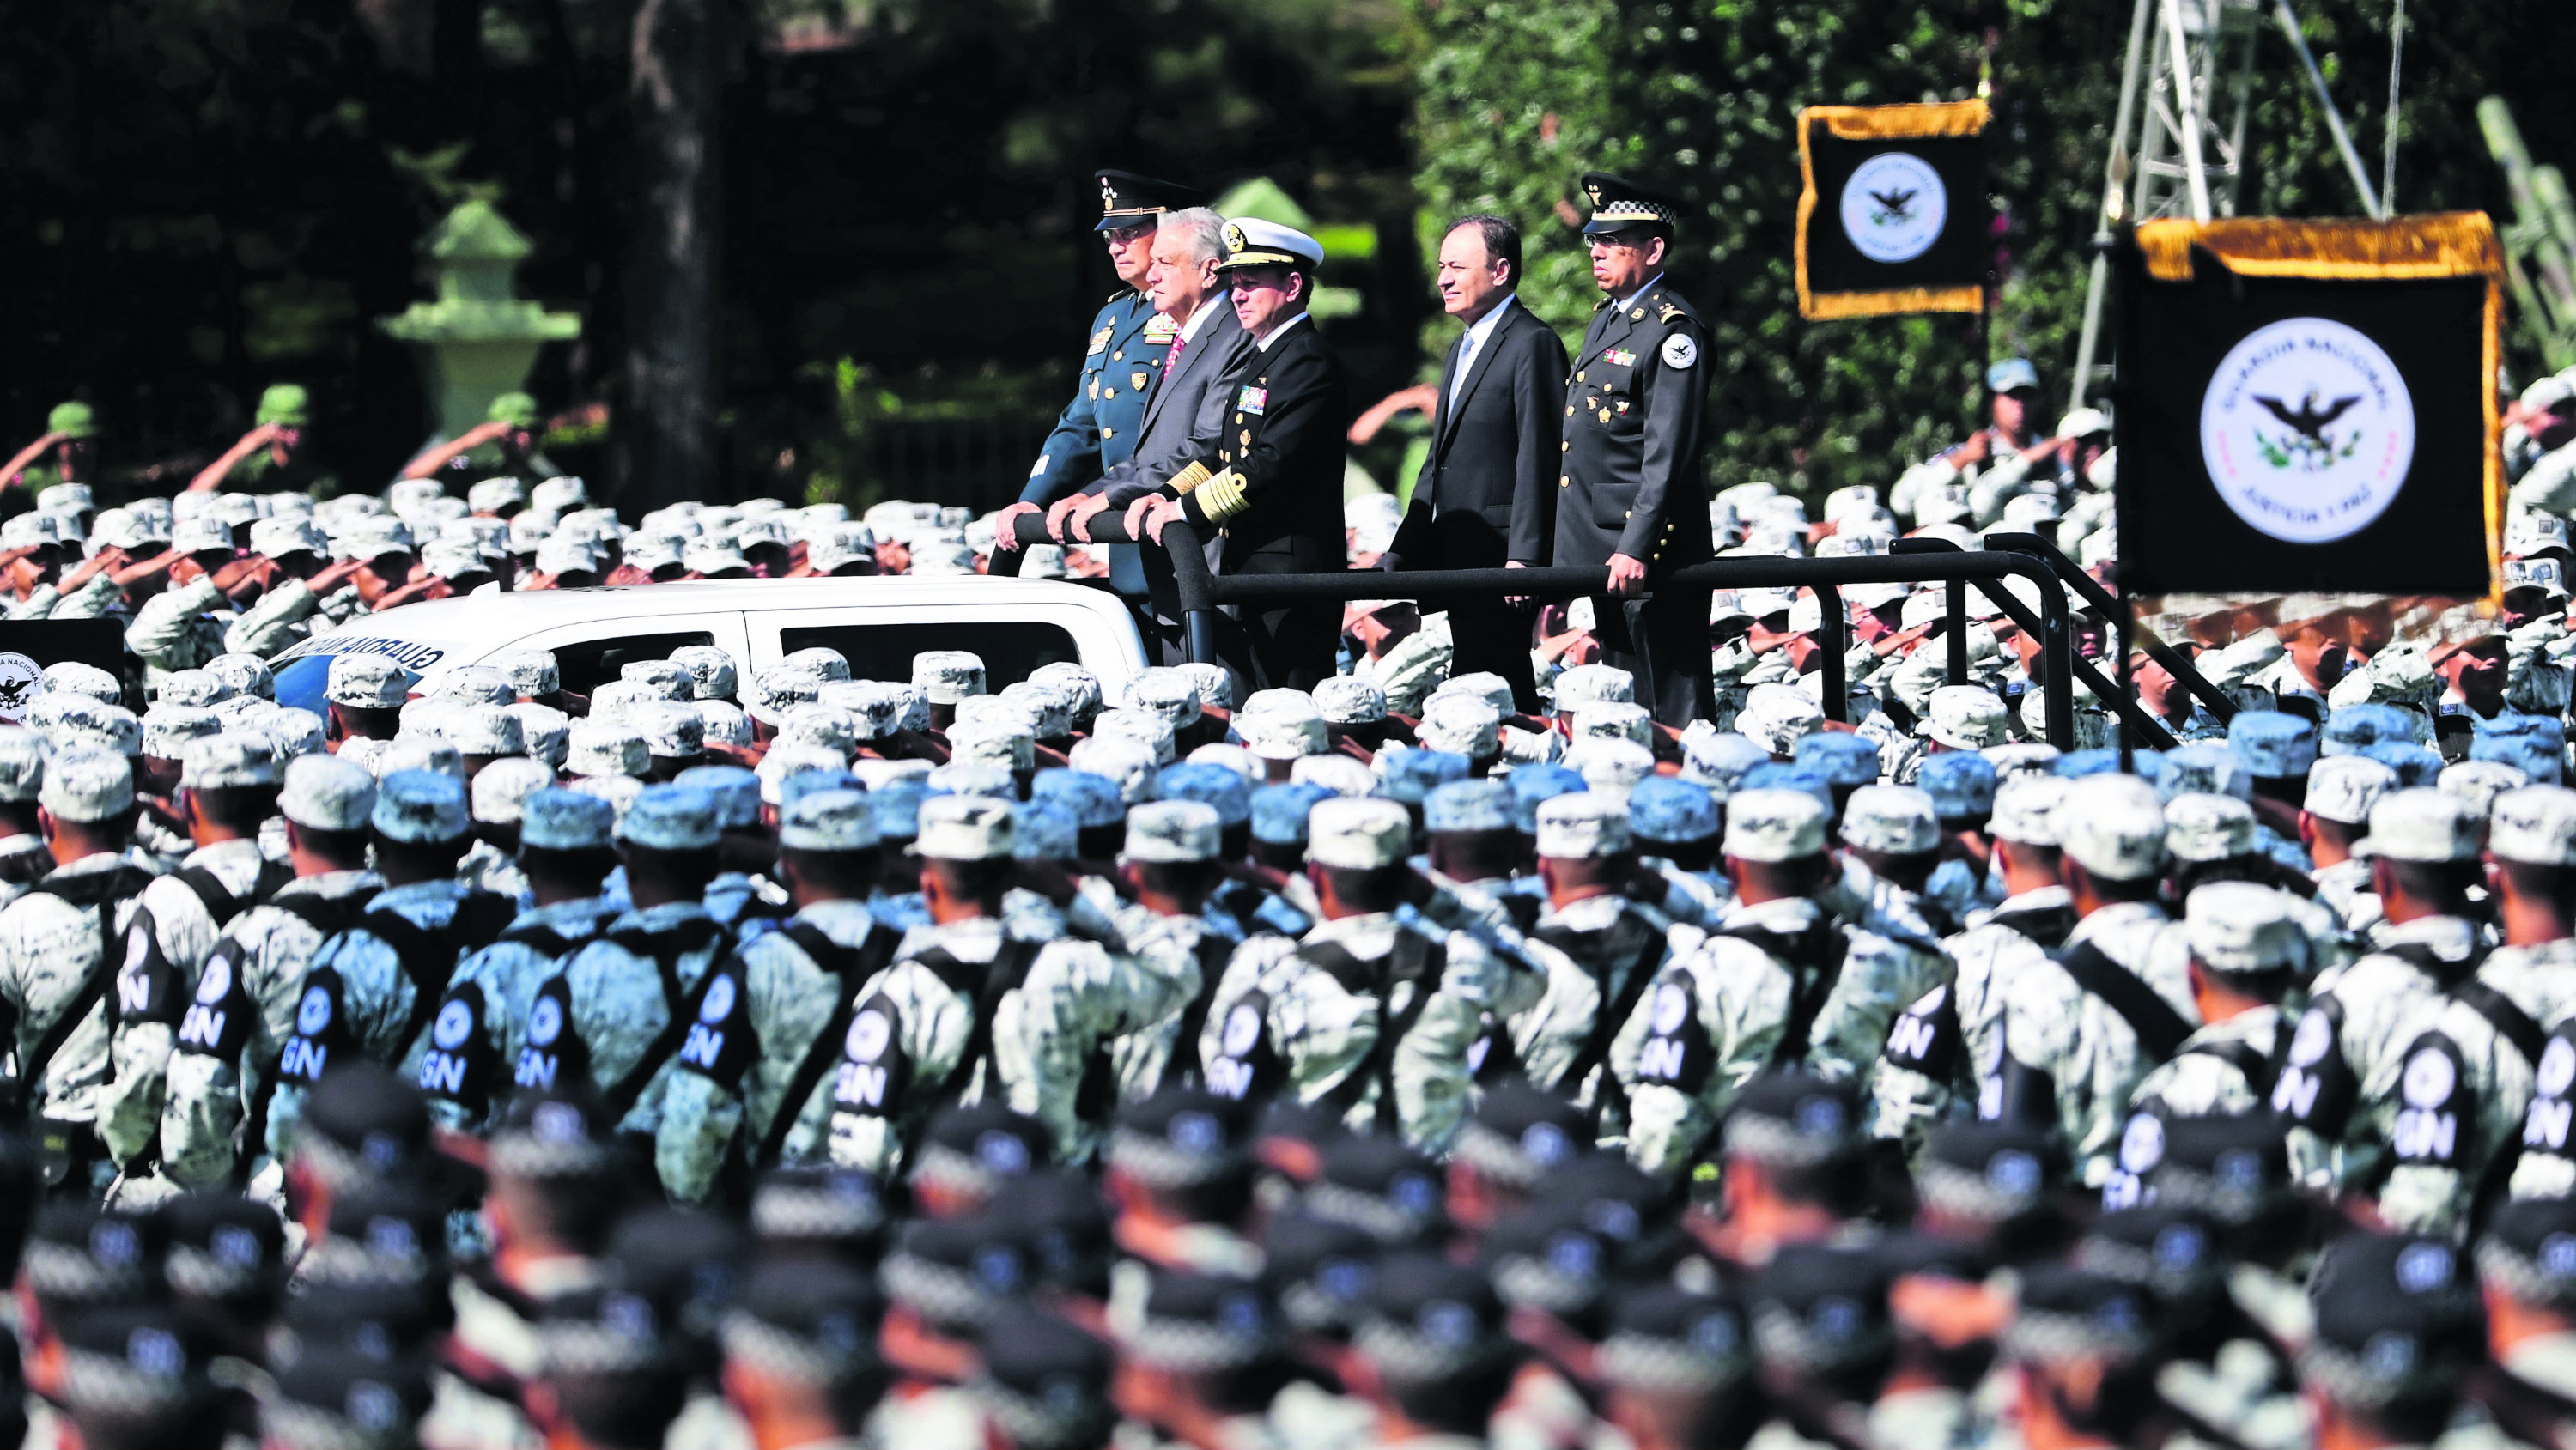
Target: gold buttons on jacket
<point x="1564" y="481"/>
<point x="1569" y="410"/>
<point x="1565" y="447"/>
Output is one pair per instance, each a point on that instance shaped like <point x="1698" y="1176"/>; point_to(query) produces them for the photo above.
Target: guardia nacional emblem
<point x="2307" y="430"/>
<point x="18" y="684"/>
<point x="1894" y="206"/>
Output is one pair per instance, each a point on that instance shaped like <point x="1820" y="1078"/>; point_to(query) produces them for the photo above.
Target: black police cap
<point x="1989" y="1171"/>
<point x="364" y="1120"/>
<point x="958" y="1273"/>
<point x="2171" y="1249"/>
<point x="2064" y="1314"/>
<point x="2398" y="1321"/>
<point x="1045" y="1382"/>
<point x="224" y="1246"/>
<point x="1619" y="205"/>
<point x="1795" y="1120"/>
<point x="1321" y="1272"/>
<point x="1430" y="1319"/>
<point x="338" y="1397"/>
<point x="1200" y="1323"/>
<point x="2530" y="1251"/>
<point x="1520" y="1134"/>
<point x="2234" y="1167"/>
<point x="836" y="1207"/>
<point x="1668" y="1338"/>
<point x="378" y="1321"/>
<point x="81" y="1254"/>
<point x="814" y="1322"/>
<point x="137" y="1360"/>
<point x="976" y="1150"/>
<point x="687" y="1264"/>
<point x="1182" y="1137"/>
<point x="1063" y="1222"/>
<point x="1381" y="1186"/>
<point x="1819" y="1309"/>
<point x="557" y="1133"/>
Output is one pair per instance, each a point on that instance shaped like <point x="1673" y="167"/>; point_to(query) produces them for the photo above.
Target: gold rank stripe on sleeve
<point x="1223" y="496"/>
<point x="1189" y="478"/>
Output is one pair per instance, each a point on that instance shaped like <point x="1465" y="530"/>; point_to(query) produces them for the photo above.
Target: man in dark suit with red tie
<point x="1484" y="498"/>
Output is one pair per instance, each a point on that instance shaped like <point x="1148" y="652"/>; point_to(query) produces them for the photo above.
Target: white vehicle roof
<point x="880" y="622"/>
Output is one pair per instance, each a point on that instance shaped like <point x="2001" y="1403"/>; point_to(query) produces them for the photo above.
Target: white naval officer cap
<point x="2535" y="825"/>
<point x="1172" y="831"/>
<point x="1583" y="826"/>
<point x="1898" y="819"/>
<point x="964" y="828"/>
<point x="2113" y="826"/>
<point x="1252" y="242"/>
<point x="2421" y="824"/>
<point x="2343" y="788"/>
<point x="2239" y="927"/>
<point x="326" y="793"/>
<point x="2205" y="826"/>
<point x="1360" y="833"/>
<point x="419" y="807"/>
<point x="87" y="786"/>
<point x="948" y="675"/>
<point x="1774" y="825"/>
<point x="228" y="761"/>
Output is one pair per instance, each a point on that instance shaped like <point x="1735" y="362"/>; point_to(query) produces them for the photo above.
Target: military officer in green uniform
<point x="1098" y="430"/>
<point x="67" y="453"/>
<point x="272" y="457"/>
<point x="1631" y="498"/>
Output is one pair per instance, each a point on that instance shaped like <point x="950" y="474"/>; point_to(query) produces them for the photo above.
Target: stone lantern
<point x="478" y="340"/>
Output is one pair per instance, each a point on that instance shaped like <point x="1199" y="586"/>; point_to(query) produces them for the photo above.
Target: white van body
<point x="1015" y="625"/>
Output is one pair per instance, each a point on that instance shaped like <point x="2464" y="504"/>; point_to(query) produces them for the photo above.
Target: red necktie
<point x="1172" y="358"/>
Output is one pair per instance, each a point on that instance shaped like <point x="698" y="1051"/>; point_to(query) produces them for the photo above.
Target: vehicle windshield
<point x="303" y="671"/>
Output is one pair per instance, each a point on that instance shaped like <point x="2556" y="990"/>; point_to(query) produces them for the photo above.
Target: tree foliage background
<point x="1519" y="97"/>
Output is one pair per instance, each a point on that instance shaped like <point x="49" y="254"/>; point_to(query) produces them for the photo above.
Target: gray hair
<point x="1204" y="229"/>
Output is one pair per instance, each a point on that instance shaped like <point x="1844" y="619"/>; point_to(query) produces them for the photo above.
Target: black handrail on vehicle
<point x="1202" y="593"/>
<point x="2175" y="663"/>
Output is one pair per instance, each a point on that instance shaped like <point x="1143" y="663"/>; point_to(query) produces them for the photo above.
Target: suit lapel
<point x="1475" y="371"/>
<point x="1193" y="357"/>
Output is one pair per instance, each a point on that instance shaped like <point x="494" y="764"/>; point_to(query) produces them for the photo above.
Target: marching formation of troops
<point x="1533" y="1024"/>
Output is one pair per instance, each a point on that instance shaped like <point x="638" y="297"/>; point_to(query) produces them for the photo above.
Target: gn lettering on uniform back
<point x="1244" y="1064"/>
<point x="2544" y="1125"/>
<point x="2434" y="1103"/>
<point x="1676" y="1054"/>
<point x="2315" y="1089"/>
<point x="549" y="1037"/>
<point x="320" y="1031"/>
<point x="217" y="1020"/>
<point x="870" y="1080"/>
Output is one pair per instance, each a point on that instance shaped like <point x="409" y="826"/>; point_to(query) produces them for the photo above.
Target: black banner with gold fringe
<point x="1894" y="216"/>
<point x="2310" y="405"/>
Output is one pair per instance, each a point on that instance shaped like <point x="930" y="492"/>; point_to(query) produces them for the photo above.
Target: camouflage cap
<point x="87" y="786"/>
<point x="472" y="685"/>
<point x="1350" y="700"/>
<point x="782" y="763"/>
<point x="544" y="732"/>
<point x="531" y="672"/>
<point x="1611" y="766"/>
<point x="1777" y="717"/>
<point x="1899" y="819"/>
<point x="492" y="495"/>
<point x="712" y="672"/>
<point x="2418" y="824"/>
<point x="1093" y="799"/>
<point x="720" y="723"/>
<point x="2202" y="827"/>
<point x="964" y="828"/>
<point x="1586" y="827"/>
<point x="220" y="762"/>
<point x="732" y="791"/>
<point x="1359" y="834"/>
<point x="1280" y="813"/>
<point x="1468" y="805"/>
<point x="1337" y="773"/>
<point x="2271" y="744"/>
<point x="2026" y="809"/>
<point x="1664" y="811"/>
<point x="556" y="495"/>
<point x="781" y="688"/>
<point x="2478" y="782"/>
<point x="366" y="682"/>
<point x="325" y="793"/>
<point x="1080" y="686"/>
<point x="486" y="730"/>
<point x="419" y="807"/>
<point x="1127" y="763"/>
<point x="1774" y="825"/>
<point x="1222" y="790"/>
<point x="673" y="817"/>
<point x="666" y="678"/>
<point x="1173" y="830"/>
<point x="1409" y="776"/>
<point x="2350" y="728"/>
<point x="2204" y="769"/>
<point x="2343" y="788"/>
<point x="1283" y="732"/>
<point x="2238" y="926"/>
<point x="2112" y="826"/>
<point x="832" y="820"/>
<point x="1966" y="717"/>
<point x="566" y="553"/>
<point x="2533" y="744"/>
<point x="603" y="749"/>
<point x="1152" y="732"/>
<point x="1843" y="758"/>
<point x="1961" y="784"/>
<point x="673" y="730"/>
<point x="22" y="763"/>
<point x="1594" y="685"/>
<point x="553" y="819"/>
<point x="191" y="689"/>
<point x="1049" y="707"/>
<point x="500" y="789"/>
<point x="948" y="675"/>
<point x="1719" y="759"/>
<point x="2535" y="825"/>
<point x="1613" y="720"/>
<point x="1166" y="693"/>
<point x="167" y="729"/>
<point x="80" y="722"/>
<point x="1460" y="725"/>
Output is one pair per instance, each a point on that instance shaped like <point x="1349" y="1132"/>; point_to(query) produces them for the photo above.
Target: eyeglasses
<point x="1126" y="236"/>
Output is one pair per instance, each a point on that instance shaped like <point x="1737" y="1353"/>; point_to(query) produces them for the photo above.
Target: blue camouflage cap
<point x="2206" y="768"/>
<point x="2533" y="744"/>
<point x="563" y="820"/>
<point x="803" y="783"/>
<point x="1722" y="759"/>
<point x="419" y="806"/>
<point x="1409" y="775"/>
<point x="736" y="792"/>
<point x="1468" y="805"/>
<point x="1212" y="785"/>
<point x="1535" y="785"/>
<point x="2415" y="764"/>
<point x="1961" y="784"/>
<point x="2350" y="727"/>
<point x="2272" y="745"/>
<point x="897" y="804"/>
<point x="1093" y="799"/>
<point x="1772" y="775"/>
<point x="1668" y="809"/>
<point x="2077" y="764"/>
<point x="1841" y="757"/>
<point x="1279" y="812"/>
<point x="672" y="817"/>
<point x="1047" y="832"/>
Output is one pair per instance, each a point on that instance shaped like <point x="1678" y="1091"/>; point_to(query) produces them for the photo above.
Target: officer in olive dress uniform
<point x="1098" y="429"/>
<point x="1631" y="497"/>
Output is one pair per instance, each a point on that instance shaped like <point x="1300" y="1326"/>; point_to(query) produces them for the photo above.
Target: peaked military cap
<point x="1619" y="204"/>
<point x="1130" y="200"/>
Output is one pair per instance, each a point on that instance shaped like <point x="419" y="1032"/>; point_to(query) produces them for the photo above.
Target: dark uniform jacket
<point x="1633" y="411"/>
<point x="1274" y="484"/>
<point x="1484" y="495"/>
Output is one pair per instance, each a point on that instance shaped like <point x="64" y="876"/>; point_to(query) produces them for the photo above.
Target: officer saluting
<point x="1124" y="355"/>
<point x="1631" y="496"/>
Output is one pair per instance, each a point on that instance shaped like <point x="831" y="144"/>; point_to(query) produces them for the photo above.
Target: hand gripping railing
<point x="1200" y="594"/>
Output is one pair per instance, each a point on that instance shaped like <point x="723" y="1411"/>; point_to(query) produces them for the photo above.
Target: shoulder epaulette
<point x="1604" y="302"/>
<point x="1670" y="312"/>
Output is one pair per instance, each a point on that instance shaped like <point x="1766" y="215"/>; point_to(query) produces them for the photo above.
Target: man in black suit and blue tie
<point x="1484" y="498"/>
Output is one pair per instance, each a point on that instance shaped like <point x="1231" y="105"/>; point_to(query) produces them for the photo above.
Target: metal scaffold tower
<point x="2178" y="149"/>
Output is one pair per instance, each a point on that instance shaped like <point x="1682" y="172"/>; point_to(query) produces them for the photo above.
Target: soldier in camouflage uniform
<point x="2332" y="822"/>
<point x="773" y="1018"/>
<point x="1891" y="838"/>
<point x="2342" y="1079"/>
<point x="373" y="990"/>
<point x="1371" y="1015"/>
<point x="1599" y="949"/>
<point x="213" y="1123"/>
<point x="622" y="1005"/>
<point x="498" y="795"/>
<point x="23" y="857"/>
<point x="90" y="1016"/>
<point x="2063" y="1001"/>
<point x="742" y="898"/>
<point x="472" y="1059"/>
<point x="366" y="694"/>
<point x="1173" y="864"/>
<point x="972" y="1009"/>
<point x="1675" y="823"/>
